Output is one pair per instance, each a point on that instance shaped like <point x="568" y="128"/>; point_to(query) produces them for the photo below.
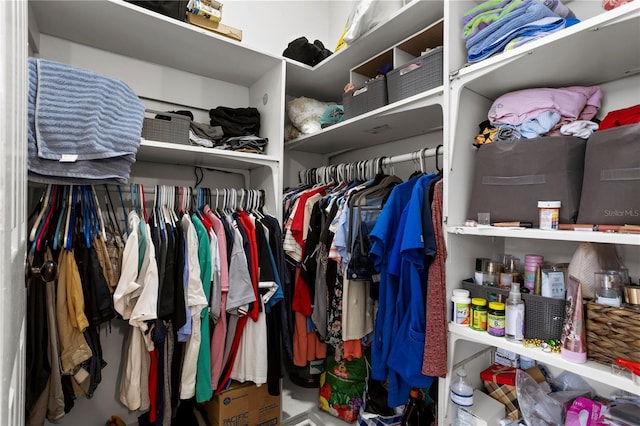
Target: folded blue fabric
<point x="534" y="35"/>
<point x="114" y="169"/>
<point x="485" y="50"/>
<point x="528" y="13"/>
<point x="541" y="125"/>
<point x="83" y="115"/>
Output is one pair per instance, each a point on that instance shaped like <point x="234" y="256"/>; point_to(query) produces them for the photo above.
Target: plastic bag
<point x="366" y="15"/>
<point x="568" y="381"/>
<point x="342" y="386"/>
<point x="537" y="408"/>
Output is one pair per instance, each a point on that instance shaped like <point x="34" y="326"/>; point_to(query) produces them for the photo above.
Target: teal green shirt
<point x="204" y="389"/>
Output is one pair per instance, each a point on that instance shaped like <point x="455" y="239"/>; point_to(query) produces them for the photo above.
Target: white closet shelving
<point x="178" y="64"/>
<point x="171" y="65"/>
<point x="420" y="114"/>
<point x="170" y="61"/>
<point x="588" y="53"/>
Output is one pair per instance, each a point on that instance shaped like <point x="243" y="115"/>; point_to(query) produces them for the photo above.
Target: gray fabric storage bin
<point x="360" y="101"/>
<point x="405" y="81"/>
<point x="512" y="176"/>
<point x="611" y="185"/>
<point x="174" y="128"/>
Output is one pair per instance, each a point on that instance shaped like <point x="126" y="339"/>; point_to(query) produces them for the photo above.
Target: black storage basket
<point x="543" y="316"/>
<point x="359" y="101"/>
<point x="176" y="9"/>
<point x="417" y="76"/>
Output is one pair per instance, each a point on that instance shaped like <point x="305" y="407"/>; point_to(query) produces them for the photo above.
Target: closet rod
<point x="411" y="156"/>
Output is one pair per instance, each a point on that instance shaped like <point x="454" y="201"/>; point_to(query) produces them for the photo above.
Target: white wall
<point x="270" y="25"/>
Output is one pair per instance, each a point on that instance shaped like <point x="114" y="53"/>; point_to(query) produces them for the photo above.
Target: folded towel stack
<point x="497" y="25"/>
<point x="83" y="127"/>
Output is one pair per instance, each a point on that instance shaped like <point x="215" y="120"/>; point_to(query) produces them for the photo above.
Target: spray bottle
<point x="514" y="315"/>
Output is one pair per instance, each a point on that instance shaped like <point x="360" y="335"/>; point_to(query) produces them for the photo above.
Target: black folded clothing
<point x="236" y="121"/>
<point x="171" y="8"/>
<point x="308" y="53"/>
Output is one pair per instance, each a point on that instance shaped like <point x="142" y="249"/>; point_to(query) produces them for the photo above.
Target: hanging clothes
<point x="383" y="240"/>
<point x="404" y="361"/>
<point x="203" y="373"/>
<point x="199" y="289"/>
<point x="434" y="360"/>
<point x="196" y="301"/>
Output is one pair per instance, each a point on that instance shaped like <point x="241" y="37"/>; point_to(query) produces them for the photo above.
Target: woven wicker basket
<point x="612" y="332"/>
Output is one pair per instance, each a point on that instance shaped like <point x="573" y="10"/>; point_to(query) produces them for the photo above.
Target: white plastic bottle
<point x="461" y="396"/>
<point x="514" y="315"/>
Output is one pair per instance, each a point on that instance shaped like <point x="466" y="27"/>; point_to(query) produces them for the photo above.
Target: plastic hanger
<point x="257" y="203"/>
<point x="172" y="207"/>
<point x="134" y="203"/>
<point x="70" y="221"/>
<point x="58" y="239"/>
<point x="143" y="205"/>
<point x="87" y="227"/>
<point x="416" y="164"/>
<point x="46" y="199"/>
<point x="98" y="211"/>
<point x="111" y="212"/>
<point x="155" y="213"/>
<point x="240" y="199"/>
<point x="40" y="235"/>
<point x="96" y="225"/>
<point x="124" y="211"/>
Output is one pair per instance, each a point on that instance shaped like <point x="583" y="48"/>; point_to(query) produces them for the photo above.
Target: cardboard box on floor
<point x="244" y="404"/>
<point x="216" y="27"/>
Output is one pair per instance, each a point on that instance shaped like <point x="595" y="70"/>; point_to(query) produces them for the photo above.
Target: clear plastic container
<point x="461" y="397"/>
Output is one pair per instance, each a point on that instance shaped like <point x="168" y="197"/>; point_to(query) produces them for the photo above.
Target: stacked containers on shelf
<point x="531" y="263"/>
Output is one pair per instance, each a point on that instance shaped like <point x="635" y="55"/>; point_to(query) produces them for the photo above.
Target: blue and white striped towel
<point x="83" y="115"/>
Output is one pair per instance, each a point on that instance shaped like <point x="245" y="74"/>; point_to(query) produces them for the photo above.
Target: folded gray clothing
<point x="206" y="131"/>
<point x="81" y="114"/>
<point x="245" y="142"/>
<point x="115" y="169"/>
<point x="37" y="178"/>
<point x="507" y="132"/>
